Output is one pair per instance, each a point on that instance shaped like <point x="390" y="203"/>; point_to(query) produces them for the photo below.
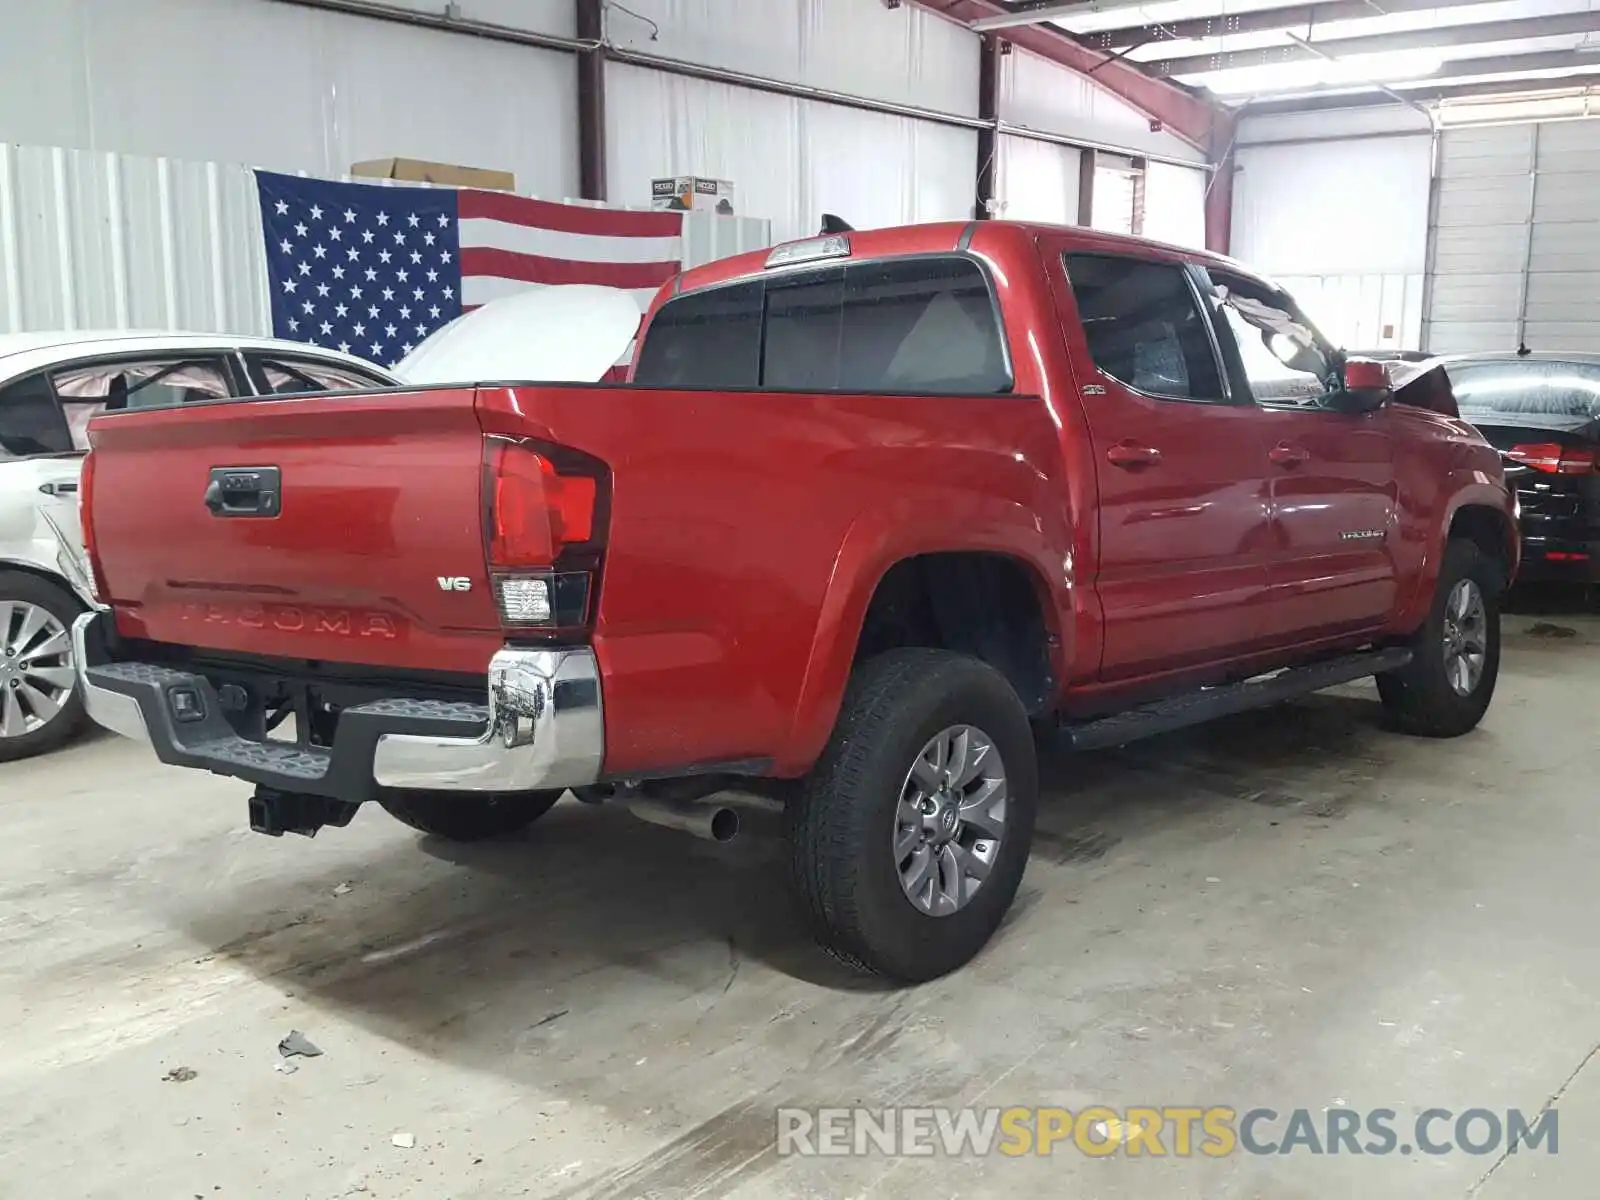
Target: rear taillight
<point x="545" y="510"/>
<point x="86" y="527"/>
<point x="1554" y="458"/>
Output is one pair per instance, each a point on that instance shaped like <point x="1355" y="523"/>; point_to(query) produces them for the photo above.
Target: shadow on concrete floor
<point x="474" y="952"/>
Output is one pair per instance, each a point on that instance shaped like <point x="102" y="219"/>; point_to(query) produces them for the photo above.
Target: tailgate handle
<point x="244" y="491"/>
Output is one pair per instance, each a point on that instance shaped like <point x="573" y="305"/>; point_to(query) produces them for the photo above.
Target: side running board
<point x="1194" y="707"/>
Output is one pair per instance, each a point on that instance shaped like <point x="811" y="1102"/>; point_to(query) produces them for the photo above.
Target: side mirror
<point x="1365" y="387"/>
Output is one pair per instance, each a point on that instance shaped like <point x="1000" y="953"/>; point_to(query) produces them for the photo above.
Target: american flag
<point x="372" y="270"/>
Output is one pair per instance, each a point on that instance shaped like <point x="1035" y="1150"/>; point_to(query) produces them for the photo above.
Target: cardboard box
<point x="414" y="170"/>
<point x="684" y="193"/>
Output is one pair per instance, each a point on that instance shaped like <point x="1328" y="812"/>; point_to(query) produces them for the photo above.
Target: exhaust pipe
<point x="713" y="822"/>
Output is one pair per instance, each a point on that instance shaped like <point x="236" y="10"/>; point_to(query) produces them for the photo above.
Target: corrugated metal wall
<point x="90" y="240"/>
<point x="1344" y="225"/>
<point x="1362" y="312"/>
<point x="1515" y="238"/>
<point x="111" y="241"/>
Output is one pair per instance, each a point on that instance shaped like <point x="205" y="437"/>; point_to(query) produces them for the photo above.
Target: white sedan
<point x="51" y="384"/>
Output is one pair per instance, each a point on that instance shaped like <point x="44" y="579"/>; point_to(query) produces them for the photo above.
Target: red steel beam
<point x="1179" y="110"/>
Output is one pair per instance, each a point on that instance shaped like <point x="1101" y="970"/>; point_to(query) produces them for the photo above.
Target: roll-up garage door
<point x="1515" y="239"/>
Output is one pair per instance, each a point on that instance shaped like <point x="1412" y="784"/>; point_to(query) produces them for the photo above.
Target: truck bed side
<point x="748" y="531"/>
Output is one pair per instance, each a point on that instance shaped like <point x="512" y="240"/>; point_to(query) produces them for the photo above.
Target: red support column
<point x="1219" y="188"/>
<point x="989" y="50"/>
<point x="591" y="102"/>
<point x="1088" y="160"/>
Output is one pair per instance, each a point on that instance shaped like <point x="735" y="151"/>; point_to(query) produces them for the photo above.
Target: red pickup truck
<point x="873" y="512"/>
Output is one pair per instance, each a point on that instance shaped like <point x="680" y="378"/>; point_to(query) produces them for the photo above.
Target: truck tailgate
<point x="360" y="559"/>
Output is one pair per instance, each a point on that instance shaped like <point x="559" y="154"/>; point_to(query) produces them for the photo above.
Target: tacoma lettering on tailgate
<point x="288" y="618"/>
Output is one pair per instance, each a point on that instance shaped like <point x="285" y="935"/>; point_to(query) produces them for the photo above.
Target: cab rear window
<point x="922" y="326"/>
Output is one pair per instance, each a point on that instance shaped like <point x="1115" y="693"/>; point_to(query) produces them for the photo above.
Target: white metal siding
<point x="1516" y="239"/>
<point x="907" y="54"/>
<point x="1037" y="181"/>
<point x="1362" y="312"/>
<point x="1175" y="204"/>
<point x="1479" y="238"/>
<point x="110" y="241"/>
<point x="791" y="160"/>
<point x="1564" y="251"/>
<point x="1040" y="94"/>
<point x="1115" y="199"/>
<point x="286" y="87"/>
<point x="1344" y="225"/>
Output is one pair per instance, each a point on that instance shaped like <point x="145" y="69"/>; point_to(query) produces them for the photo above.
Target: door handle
<point x="59" y="489"/>
<point x="1131" y="454"/>
<point x="1286" y="455"/>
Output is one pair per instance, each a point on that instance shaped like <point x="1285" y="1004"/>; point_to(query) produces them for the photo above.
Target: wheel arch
<point x="1480" y="512"/>
<point x="55" y="578"/>
<point x="876" y="560"/>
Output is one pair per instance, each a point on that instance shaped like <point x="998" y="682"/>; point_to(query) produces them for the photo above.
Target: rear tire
<point x="465" y="817"/>
<point x="854" y="830"/>
<point x="41" y="708"/>
<point x="1446" y="687"/>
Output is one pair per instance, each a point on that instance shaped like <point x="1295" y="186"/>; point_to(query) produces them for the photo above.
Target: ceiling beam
<point x="1449" y="91"/>
<point x="1555" y="25"/>
<point x="1039" y="14"/>
<point x="1179" y="110"/>
<point x="1578" y="61"/>
<point x="1302" y="17"/>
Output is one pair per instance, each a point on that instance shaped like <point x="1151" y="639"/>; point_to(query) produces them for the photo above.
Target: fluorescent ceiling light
<point x="1399" y="67"/>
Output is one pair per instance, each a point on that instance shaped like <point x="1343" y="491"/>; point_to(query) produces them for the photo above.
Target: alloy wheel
<point x="1466" y="637"/>
<point x="951" y="820"/>
<point x="36" y="673"/>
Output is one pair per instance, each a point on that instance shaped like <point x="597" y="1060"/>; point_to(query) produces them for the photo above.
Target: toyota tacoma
<point x="873" y="512"/>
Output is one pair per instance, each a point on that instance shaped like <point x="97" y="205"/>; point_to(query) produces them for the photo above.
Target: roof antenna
<point x="1522" y="350"/>
<point x="833" y="224"/>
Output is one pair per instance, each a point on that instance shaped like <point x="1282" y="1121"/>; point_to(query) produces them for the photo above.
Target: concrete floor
<point x="1290" y="909"/>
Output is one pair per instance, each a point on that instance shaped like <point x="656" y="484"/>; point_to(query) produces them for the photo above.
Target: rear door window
<point x="918" y="325"/>
<point x="275" y="375"/>
<point x="30" y="422"/>
<point x="1144" y="327"/>
<point x="148" y="383"/>
<point x="1553" y="391"/>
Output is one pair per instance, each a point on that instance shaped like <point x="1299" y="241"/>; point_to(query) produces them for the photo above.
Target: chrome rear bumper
<point x="542" y="727"/>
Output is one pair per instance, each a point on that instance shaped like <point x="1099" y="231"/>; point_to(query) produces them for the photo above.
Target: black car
<point x="1542" y="412"/>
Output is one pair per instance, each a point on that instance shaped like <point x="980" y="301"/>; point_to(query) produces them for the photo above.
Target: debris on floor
<point x="297" y="1043"/>
<point x="285" y="1066"/>
<point x="179" y="1075"/>
<point x="1545" y="629"/>
<point x="343" y="889"/>
<point x="403" y="1141"/>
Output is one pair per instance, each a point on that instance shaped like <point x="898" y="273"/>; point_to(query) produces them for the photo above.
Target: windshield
<point x="1540" y="389"/>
